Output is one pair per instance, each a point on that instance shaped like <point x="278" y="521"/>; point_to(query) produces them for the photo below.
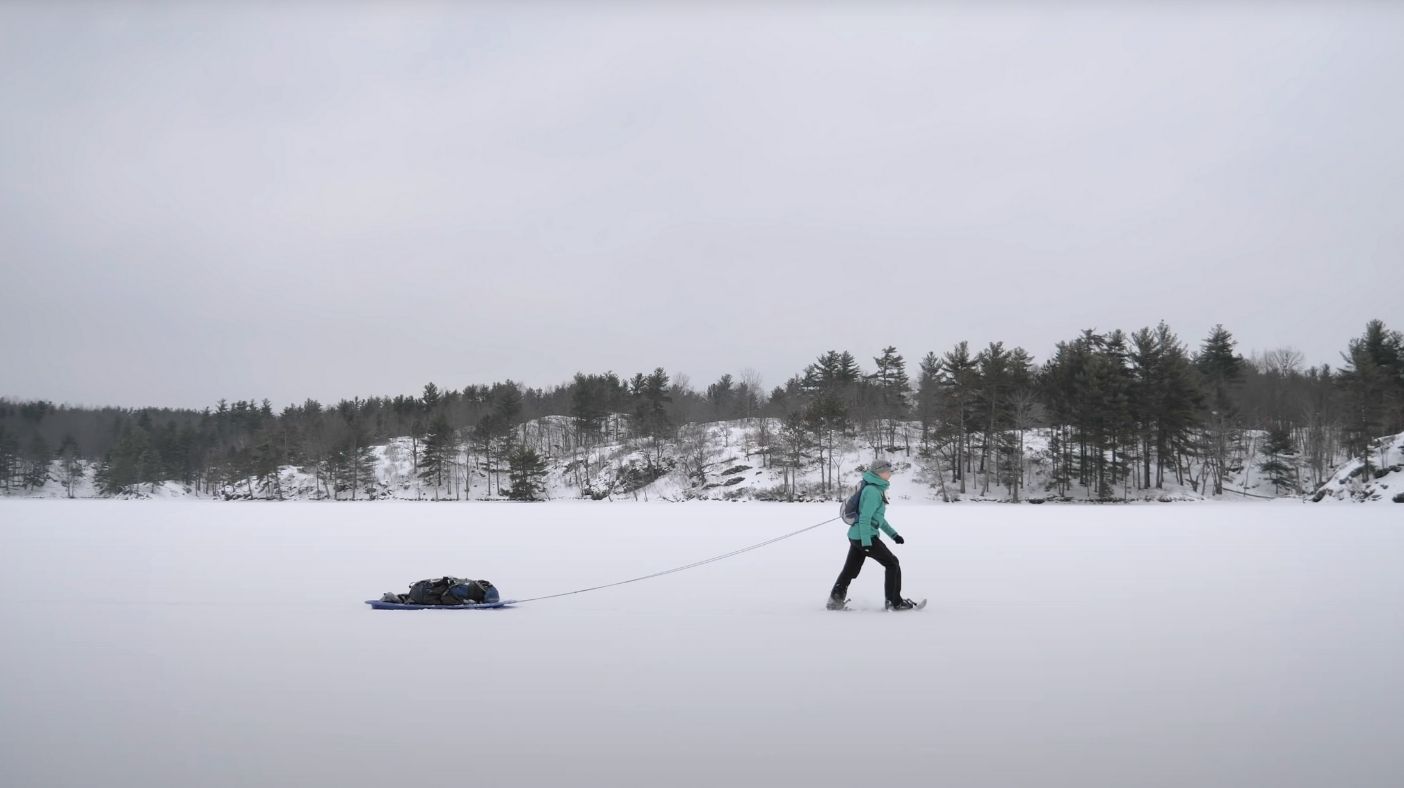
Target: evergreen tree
<point x="1221" y="369"/>
<point x="1165" y="401"/>
<point x="1180" y="402"/>
<point x="1106" y="403"/>
<point x="132" y="461"/>
<point x="1087" y="387"/>
<point x="827" y="417"/>
<point x="591" y="398"/>
<point x="431" y="398"/>
<point x="894" y="392"/>
<point x="71" y="467"/>
<point x="440" y="449"/>
<point x="720" y="396"/>
<point x="1373" y="386"/>
<point x="494" y="431"/>
<point x="847" y="369"/>
<point x="527" y="471"/>
<point x="832" y="372"/>
<point x="353" y="459"/>
<point x="590" y="402"/>
<point x="266" y="462"/>
<point x="928" y="398"/>
<point x="1022" y="412"/>
<point x="9" y="458"/>
<point x="991" y="407"/>
<point x="492" y="434"/>
<point x="795" y="441"/>
<point x="651" y="394"/>
<point x="828" y="390"/>
<point x="1278" y="447"/>
<point x="1148" y="369"/>
<point x="960" y="380"/>
<point x="37" y="462"/>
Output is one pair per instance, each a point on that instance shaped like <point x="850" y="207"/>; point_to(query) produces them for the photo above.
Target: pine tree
<point x="827" y="417"/>
<point x="266" y="462"/>
<point x="431" y="398"/>
<point x="828" y="389"/>
<point x="353" y="459"/>
<point x="796" y="441"/>
<point x="9" y="458"/>
<point x="991" y="407"/>
<point x="528" y="474"/>
<point x="651" y="395"/>
<point x="1148" y="368"/>
<point x="960" y="379"/>
<point x="590" y="400"/>
<point x="1221" y="370"/>
<point x="492" y="435"/>
<point x="1180" y="403"/>
<point x="1087" y="387"/>
<point x="720" y="396"/>
<point x="928" y="398"/>
<point x="1373" y="386"/>
<point x="1278" y="447"/>
<point x="440" y="449"/>
<point x="823" y="373"/>
<point x="1119" y="429"/>
<point x="1056" y="382"/>
<point x="71" y="466"/>
<point x="129" y="464"/>
<point x="494" y="431"/>
<point x="847" y="369"/>
<point x="894" y="390"/>
<point x="1022" y="413"/>
<point x="37" y="460"/>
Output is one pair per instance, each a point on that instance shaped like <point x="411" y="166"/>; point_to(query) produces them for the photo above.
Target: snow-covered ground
<point x="723" y="461"/>
<point x="1383" y="481"/>
<point x="176" y="643"/>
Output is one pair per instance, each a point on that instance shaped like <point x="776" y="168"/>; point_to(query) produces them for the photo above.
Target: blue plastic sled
<point x="379" y="605"/>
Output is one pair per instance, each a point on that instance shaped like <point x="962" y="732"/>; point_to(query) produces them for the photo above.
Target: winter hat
<point x="880" y="466"/>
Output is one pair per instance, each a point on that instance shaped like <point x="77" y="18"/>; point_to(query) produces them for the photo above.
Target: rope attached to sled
<point x="692" y="565"/>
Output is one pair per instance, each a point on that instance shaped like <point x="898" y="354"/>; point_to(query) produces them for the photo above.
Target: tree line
<point x="1120" y="410"/>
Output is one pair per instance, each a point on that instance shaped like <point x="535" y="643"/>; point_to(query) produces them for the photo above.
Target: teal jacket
<point x="872" y="511"/>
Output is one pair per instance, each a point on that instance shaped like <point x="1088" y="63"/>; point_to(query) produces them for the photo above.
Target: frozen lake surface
<point x="155" y="644"/>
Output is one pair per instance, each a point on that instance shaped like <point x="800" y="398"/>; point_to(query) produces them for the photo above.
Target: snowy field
<point x="193" y="643"/>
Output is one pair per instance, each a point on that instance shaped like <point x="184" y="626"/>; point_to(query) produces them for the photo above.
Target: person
<point x="864" y="542"/>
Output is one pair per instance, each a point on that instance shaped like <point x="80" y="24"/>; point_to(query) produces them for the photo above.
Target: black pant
<point x="892" y="584"/>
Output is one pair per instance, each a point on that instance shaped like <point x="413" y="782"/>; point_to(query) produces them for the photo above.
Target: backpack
<point x="452" y="591"/>
<point x="848" y="510"/>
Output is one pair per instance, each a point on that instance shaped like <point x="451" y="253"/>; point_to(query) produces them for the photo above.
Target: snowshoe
<point x="905" y="604"/>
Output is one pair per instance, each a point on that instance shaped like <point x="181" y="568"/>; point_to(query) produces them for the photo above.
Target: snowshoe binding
<point x="904" y="604"/>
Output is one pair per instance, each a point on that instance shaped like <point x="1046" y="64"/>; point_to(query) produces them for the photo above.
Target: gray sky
<point x="328" y="200"/>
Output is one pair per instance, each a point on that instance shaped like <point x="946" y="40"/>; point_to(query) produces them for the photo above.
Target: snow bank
<point x="1382" y="481"/>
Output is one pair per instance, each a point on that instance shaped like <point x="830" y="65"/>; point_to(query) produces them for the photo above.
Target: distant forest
<point x="1121" y="408"/>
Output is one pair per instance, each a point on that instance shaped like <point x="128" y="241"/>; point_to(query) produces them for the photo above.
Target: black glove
<point x="898" y="539"/>
<point x="867" y="548"/>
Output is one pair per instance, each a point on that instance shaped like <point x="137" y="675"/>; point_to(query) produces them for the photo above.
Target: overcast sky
<point x="345" y="199"/>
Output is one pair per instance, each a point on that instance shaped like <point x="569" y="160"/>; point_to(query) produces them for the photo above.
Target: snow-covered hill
<point x="1382" y="481"/>
<point x="731" y="461"/>
<point x="85" y="486"/>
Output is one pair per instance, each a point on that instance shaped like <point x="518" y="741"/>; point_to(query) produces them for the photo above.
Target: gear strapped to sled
<point x="446" y="592"/>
